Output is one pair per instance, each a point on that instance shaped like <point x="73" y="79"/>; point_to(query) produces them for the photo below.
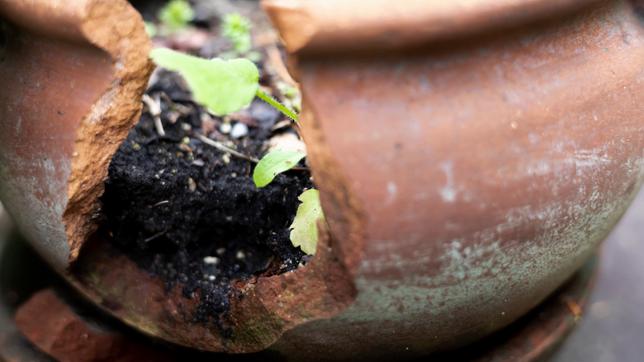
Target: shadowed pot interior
<point x="466" y="168"/>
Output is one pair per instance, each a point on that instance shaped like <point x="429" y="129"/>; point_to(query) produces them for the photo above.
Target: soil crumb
<point x="191" y="214"/>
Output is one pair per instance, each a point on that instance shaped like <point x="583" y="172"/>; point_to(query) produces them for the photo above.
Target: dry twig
<point x="221" y="147"/>
<point x="154" y="107"/>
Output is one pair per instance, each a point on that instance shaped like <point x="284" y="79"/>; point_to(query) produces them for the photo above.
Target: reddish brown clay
<point x="72" y="75"/>
<point x="463" y="177"/>
<point x="261" y="309"/>
<point x="462" y="184"/>
<point x="52" y="326"/>
<point x="466" y="168"/>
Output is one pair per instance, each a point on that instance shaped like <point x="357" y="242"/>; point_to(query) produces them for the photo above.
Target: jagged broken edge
<point x="117" y="28"/>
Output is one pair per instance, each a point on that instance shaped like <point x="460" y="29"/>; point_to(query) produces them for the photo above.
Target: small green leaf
<point x="273" y="163"/>
<point x="305" y="228"/>
<point x="151" y="29"/>
<point x="223" y="86"/>
<point x="176" y="14"/>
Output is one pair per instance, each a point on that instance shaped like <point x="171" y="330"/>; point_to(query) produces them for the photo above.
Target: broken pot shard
<point x="72" y="74"/>
<point x="487" y="169"/>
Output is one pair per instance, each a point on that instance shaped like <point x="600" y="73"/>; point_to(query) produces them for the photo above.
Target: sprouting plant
<point x="151" y="29"/>
<point x="273" y="163"/>
<point x="237" y="28"/>
<point x="225" y="87"/>
<point x="305" y="225"/>
<point x="176" y="14"/>
<point x="304" y="228"/>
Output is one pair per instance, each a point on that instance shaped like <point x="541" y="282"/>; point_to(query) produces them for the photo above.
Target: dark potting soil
<point x="189" y="214"/>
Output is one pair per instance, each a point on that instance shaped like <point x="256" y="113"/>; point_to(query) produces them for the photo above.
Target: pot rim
<point x="339" y="26"/>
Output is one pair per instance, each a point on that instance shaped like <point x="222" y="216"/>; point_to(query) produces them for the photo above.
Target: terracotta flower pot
<point x="470" y="157"/>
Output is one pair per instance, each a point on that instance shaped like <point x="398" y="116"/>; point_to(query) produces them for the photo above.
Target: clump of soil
<point x="190" y="213"/>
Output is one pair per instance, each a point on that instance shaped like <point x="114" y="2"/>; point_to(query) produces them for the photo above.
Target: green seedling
<point x="305" y="225"/>
<point x="304" y="228"/>
<point x="151" y="29"/>
<point x="237" y="28"/>
<point x="176" y="15"/>
<point x="273" y="163"/>
<point x="225" y="87"/>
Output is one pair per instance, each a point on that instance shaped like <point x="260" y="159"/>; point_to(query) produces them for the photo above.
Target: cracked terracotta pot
<point x="72" y="74"/>
<point x="470" y="156"/>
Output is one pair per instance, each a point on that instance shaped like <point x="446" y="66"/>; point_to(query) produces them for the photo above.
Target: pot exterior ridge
<point x="487" y="172"/>
<point x="75" y="74"/>
<point x="337" y="26"/>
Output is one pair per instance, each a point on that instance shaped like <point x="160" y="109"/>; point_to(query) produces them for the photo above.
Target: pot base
<point x="535" y="337"/>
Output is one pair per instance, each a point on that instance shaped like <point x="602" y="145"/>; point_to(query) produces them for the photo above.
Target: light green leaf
<point x="273" y="163"/>
<point x="176" y="14"/>
<point x="151" y="29"/>
<point x="223" y="86"/>
<point x="305" y="228"/>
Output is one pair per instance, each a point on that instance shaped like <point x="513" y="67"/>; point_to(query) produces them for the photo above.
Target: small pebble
<point x="225" y="158"/>
<point x="212" y="260"/>
<point x="186" y="127"/>
<point x="239" y="130"/>
<point x="212" y="277"/>
<point x="225" y="128"/>
<point x="220" y="251"/>
<point x="240" y="255"/>
<point x="192" y="185"/>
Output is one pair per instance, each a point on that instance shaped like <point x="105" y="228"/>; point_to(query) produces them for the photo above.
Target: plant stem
<point x="268" y="99"/>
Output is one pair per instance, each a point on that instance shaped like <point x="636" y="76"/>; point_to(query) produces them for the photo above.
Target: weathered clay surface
<point x="323" y="26"/>
<point x="262" y="308"/>
<point x="485" y="171"/>
<point x="73" y="73"/>
<point x="54" y="328"/>
<point x="462" y="182"/>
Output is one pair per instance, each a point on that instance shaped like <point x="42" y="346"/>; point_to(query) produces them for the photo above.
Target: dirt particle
<point x="192" y="185"/>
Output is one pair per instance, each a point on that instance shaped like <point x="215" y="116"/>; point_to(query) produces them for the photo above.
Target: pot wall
<point x="465" y="181"/>
<point x="72" y="76"/>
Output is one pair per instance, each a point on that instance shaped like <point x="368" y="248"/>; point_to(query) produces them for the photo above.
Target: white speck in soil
<point x="211" y="260"/>
<point x="239" y="130"/>
<point x="225" y="128"/>
<point x="192" y="185"/>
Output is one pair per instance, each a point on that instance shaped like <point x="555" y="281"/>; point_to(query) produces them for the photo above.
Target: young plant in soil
<point x="193" y="214"/>
<point x="237" y="29"/>
<point x="227" y="86"/>
<point x="174" y="17"/>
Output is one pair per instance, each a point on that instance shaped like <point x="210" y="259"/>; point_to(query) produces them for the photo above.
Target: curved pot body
<point x="470" y="156"/>
<point x="466" y="167"/>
